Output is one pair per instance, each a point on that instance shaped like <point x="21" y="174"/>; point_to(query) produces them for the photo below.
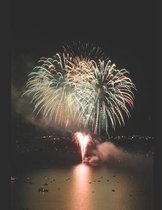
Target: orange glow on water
<point x="83" y="140"/>
<point x="80" y="188"/>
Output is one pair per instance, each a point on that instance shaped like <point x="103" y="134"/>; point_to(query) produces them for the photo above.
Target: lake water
<point x="126" y="185"/>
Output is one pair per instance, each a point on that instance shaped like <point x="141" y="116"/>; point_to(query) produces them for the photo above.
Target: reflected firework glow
<point x="81" y="188"/>
<point x="82" y="140"/>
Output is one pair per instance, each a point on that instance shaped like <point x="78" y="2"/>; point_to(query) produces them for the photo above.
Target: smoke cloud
<point x="108" y="153"/>
<point x="22" y="106"/>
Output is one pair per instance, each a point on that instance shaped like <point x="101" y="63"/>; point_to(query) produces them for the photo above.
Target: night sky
<point x="126" y="31"/>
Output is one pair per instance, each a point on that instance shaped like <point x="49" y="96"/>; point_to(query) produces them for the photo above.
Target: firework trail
<point x="82" y="89"/>
<point x="82" y="140"/>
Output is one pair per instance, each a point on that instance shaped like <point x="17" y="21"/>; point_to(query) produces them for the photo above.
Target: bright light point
<point x="83" y="141"/>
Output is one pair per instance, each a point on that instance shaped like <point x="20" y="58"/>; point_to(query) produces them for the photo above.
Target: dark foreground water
<point x="125" y="184"/>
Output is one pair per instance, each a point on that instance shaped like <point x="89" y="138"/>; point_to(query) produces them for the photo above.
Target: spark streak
<point x="83" y="140"/>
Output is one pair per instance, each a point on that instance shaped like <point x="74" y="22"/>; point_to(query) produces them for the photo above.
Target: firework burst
<point x="110" y="96"/>
<point x="81" y="90"/>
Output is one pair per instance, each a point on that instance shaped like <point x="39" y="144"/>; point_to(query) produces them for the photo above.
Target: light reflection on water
<point x="82" y="187"/>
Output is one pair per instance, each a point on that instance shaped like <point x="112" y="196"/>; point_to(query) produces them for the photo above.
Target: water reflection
<point x="84" y="187"/>
<point x="81" y="188"/>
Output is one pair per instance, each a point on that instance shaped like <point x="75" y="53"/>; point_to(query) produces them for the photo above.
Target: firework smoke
<point x="108" y="153"/>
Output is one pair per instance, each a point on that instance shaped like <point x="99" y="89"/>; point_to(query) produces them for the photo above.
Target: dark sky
<point x="126" y="30"/>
